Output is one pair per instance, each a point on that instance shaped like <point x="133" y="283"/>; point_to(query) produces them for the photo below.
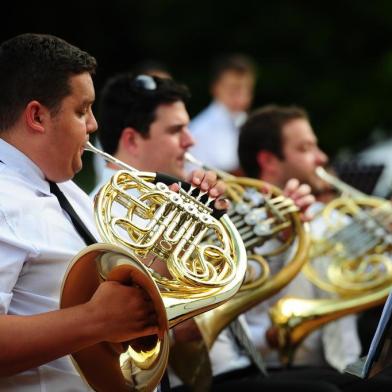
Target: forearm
<point x="30" y="341"/>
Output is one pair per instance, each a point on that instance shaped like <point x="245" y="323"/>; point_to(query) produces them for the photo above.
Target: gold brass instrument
<point x="351" y="266"/>
<point x="259" y="218"/>
<point x="154" y="239"/>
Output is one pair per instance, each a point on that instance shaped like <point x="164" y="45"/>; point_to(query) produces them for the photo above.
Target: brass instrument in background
<point x="259" y="217"/>
<point x="147" y="225"/>
<point x="352" y="265"/>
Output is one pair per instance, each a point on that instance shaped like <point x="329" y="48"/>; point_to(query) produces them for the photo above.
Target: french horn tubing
<point x="259" y="218"/>
<point x="351" y="265"/>
<point x="153" y="238"/>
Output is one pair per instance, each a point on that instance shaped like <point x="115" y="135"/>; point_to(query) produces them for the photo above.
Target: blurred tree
<point x="334" y="58"/>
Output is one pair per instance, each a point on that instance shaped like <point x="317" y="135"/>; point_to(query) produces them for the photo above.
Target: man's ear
<point x="35" y="115"/>
<point x="129" y="141"/>
<point x="267" y="161"/>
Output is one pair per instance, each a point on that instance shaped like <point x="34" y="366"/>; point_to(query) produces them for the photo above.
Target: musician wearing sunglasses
<point x="277" y="143"/>
<point x="144" y="123"/>
<point x="45" y="121"/>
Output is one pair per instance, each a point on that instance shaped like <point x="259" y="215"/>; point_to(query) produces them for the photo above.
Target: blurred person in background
<point x="216" y="128"/>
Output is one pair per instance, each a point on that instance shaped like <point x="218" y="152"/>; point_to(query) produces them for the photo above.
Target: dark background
<point x="332" y="57"/>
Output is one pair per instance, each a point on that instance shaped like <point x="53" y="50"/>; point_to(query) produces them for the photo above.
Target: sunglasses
<point x="144" y="82"/>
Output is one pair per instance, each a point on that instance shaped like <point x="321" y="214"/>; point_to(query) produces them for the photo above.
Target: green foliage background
<point x="332" y="57"/>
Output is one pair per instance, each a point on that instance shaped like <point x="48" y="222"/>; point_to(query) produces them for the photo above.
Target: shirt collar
<point x="238" y="118"/>
<point x="20" y="162"/>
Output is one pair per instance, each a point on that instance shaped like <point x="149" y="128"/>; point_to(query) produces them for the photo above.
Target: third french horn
<point x="351" y="265"/>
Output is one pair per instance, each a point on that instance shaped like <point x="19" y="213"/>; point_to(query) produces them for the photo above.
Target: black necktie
<point x="76" y="221"/>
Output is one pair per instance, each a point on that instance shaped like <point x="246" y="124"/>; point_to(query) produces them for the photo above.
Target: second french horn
<point x="259" y="217"/>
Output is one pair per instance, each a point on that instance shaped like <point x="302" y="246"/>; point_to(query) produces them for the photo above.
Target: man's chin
<point x="61" y="177"/>
<point x="77" y="168"/>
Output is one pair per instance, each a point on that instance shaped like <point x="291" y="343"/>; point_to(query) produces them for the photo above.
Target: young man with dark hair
<point x="45" y="121"/>
<point x="216" y="128"/>
<point x="277" y="143"/>
<point x="144" y="122"/>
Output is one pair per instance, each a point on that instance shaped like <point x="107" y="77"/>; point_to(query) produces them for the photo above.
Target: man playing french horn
<point x="139" y="115"/>
<point x="277" y="143"/>
<point x="45" y="122"/>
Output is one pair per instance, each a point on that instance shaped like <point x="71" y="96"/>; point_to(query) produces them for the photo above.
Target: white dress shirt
<point x="216" y="132"/>
<point x="37" y="242"/>
<point x="335" y="344"/>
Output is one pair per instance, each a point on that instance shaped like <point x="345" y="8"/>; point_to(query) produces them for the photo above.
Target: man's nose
<point x="322" y="158"/>
<point x="187" y="139"/>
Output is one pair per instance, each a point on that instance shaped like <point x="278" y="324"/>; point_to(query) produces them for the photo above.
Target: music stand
<point x="362" y="176"/>
<point x="380" y="351"/>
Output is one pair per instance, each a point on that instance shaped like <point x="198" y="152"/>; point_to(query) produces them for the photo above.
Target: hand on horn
<point x="301" y="195"/>
<point x="122" y="312"/>
<point x="272" y="337"/>
<point x="207" y="181"/>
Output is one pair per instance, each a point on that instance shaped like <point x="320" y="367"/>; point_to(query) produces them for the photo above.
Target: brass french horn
<point x="258" y="217"/>
<point x="145" y="224"/>
<point x="351" y="265"/>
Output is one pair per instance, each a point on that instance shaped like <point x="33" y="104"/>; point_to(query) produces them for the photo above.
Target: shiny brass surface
<point x="351" y="265"/>
<point x="281" y="219"/>
<point x="259" y="217"/>
<point x="154" y="238"/>
<point x="111" y="366"/>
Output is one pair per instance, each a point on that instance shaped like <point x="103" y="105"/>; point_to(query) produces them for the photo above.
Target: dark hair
<point x="239" y="63"/>
<point x="263" y="131"/>
<point x="126" y="102"/>
<point x="37" y="67"/>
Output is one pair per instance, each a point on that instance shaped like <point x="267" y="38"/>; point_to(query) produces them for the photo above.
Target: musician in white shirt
<point x="45" y="122"/>
<point x="216" y="128"/>
<point x="277" y="143"/>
